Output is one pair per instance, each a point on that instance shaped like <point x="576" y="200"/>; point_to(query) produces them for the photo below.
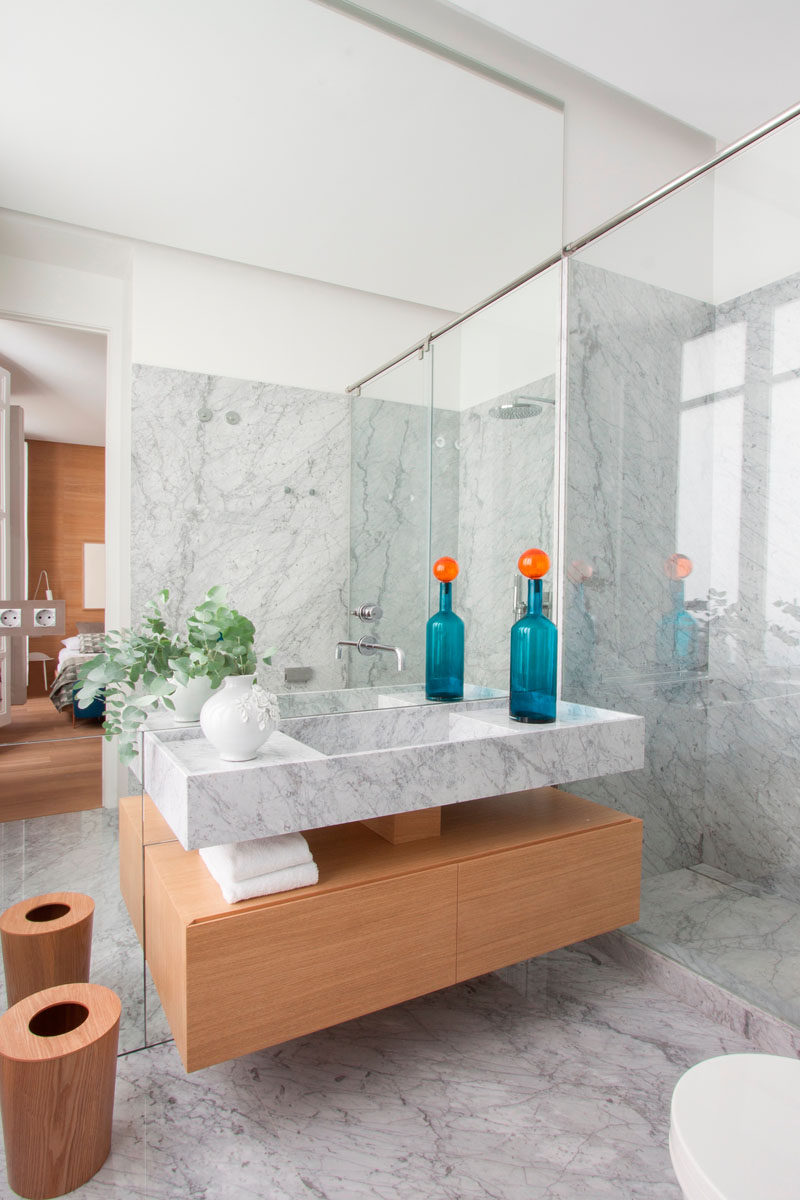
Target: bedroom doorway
<point x="50" y="751"/>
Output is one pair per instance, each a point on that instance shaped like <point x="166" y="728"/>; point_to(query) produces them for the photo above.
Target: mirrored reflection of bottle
<point x="679" y="633"/>
<point x="444" y="640"/>
<point x="534" y="650"/>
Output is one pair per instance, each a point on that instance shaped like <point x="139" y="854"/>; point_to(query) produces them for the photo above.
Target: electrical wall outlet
<point x="10" y="618"/>
<point x="44" y="618"/>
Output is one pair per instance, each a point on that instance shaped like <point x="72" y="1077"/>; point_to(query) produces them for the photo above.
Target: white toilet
<point x="735" y="1128"/>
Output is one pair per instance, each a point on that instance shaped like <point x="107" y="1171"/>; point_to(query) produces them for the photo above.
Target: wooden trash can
<point x="58" y="1065"/>
<point x="47" y="940"/>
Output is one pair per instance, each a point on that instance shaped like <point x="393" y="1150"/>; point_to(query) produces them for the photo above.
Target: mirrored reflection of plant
<point x="731" y="622"/>
<point x="789" y="637"/>
<point x="139" y="668"/>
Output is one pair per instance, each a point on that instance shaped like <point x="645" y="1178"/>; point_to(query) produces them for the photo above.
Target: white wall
<point x="617" y="149"/>
<point x="757" y="215"/>
<point x="196" y="313"/>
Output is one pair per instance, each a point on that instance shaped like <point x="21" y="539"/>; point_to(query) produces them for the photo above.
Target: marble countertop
<point x="327" y="770"/>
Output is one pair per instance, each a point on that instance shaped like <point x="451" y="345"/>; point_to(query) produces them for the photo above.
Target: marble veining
<point x="419" y="762"/>
<point x="261" y="506"/>
<point x="720" y="781"/>
<point x="626" y="342"/>
<point x="476" y="1091"/>
<point x="77" y="852"/>
<point x="389" y="516"/>
<point x="741" y="938"/>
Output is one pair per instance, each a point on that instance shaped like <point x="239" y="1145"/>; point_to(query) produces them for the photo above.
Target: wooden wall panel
<point x="66" y="507"/>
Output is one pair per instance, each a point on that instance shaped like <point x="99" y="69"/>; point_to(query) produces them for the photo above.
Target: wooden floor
<point x="46" y="766"/>
<point x="38" y="720"/>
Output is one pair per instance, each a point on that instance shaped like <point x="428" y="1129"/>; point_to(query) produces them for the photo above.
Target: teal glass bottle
<point x="444" y="640"/>
<point x="534" y="651"/>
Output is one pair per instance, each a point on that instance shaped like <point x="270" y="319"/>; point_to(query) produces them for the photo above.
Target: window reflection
<point x="786" y="337"/>
<point x="782" y="593"/>
<point x="714" y="362"/>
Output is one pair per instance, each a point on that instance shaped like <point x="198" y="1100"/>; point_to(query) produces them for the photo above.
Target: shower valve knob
<point x="368" y="612"/>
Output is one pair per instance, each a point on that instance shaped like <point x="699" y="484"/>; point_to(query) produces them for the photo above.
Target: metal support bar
<point x="763" y="131"/>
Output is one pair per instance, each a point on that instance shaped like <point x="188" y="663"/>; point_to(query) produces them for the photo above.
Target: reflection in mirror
<point x="305" y="504"/>
<point x="389" y="524"/>
<point x="493" y="454"/>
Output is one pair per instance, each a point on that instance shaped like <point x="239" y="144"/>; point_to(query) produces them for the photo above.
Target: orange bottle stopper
<point x="534" y="564"/>
<point x="678" y="566"/>
<point x="445" y="569"/>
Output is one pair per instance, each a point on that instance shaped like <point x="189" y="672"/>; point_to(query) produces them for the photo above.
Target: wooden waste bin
<point x="58" y="1062"/>
<point x="47" y="940"/>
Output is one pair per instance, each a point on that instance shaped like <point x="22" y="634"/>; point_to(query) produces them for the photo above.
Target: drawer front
<point x="276" y="973"/>
<point x="524" y="902"/>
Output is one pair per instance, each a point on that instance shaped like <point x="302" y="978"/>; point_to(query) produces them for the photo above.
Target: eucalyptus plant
<point x="139" y="668"/>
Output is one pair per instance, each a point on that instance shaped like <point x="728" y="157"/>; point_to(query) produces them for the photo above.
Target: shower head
<point x="516" y="410"/>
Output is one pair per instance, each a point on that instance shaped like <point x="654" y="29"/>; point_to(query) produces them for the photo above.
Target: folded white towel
<point x="235" y="861"/>
<point x="267" y="885"/>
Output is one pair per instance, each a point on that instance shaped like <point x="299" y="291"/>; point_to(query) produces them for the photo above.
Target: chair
<point x="94" y="711"/>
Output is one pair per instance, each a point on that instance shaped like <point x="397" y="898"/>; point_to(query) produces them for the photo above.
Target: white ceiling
<point x="723" y="66"/>
<point x="58" y="376"/>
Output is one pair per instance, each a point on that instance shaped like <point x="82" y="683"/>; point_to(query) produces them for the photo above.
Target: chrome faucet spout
<point x="366" y="645"/>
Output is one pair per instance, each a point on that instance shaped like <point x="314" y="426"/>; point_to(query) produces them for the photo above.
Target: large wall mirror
<point x="308" y="504"/>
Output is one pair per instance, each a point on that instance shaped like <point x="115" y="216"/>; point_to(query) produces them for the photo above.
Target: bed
<point x="75" y="652"/>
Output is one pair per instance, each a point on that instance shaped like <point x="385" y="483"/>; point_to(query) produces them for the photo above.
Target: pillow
<point x="71" y="643"/>
<point x="90" y="626"/>
<point x="91" y="643"/>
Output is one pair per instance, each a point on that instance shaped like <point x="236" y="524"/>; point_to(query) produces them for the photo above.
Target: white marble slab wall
<point x="389" y="535"/>
<point x="625" y="359"/>
<point x="260" y="505"/>
<point x="505" y="506"/>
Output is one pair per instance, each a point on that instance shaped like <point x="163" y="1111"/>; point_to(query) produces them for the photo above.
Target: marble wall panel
<point x="668" y="793"/>
<point x="721" y="780"/>
<point x="625" y="356"/>
<point x="261" y="506"/>
<point x="389" y="534"/>
<point x="752" y="804"/>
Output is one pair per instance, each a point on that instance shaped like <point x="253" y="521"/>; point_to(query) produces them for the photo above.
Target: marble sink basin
<point x="328" y="770"/>
<point x="390" y="728"/>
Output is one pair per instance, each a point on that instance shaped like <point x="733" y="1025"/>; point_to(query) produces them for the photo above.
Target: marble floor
<point x="737" y="935"/>
<point x="78" y="852"/>
<point x="557" y="1087"/>
<point x="551" y="1080"/>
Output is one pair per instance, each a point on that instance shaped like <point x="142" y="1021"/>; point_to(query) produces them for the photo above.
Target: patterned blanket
<point x="65" y="680"/>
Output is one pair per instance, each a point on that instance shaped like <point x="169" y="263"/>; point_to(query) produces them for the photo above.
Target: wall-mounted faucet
<point x="366" y="645"/>
<point x="521" y="604"/>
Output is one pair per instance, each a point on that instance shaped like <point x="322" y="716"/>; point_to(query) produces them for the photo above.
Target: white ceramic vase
<point x="189" y="698"/>
<point x="238" y="718"/>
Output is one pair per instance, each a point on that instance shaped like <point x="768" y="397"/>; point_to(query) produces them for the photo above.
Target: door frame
<point x="48" y="293"/>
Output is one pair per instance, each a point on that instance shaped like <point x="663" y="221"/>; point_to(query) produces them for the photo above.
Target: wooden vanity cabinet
<point x="508" y="878"/>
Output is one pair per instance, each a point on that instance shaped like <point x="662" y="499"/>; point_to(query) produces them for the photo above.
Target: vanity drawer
<point x="526" y="901"/>
<point x="265" y="975"/>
